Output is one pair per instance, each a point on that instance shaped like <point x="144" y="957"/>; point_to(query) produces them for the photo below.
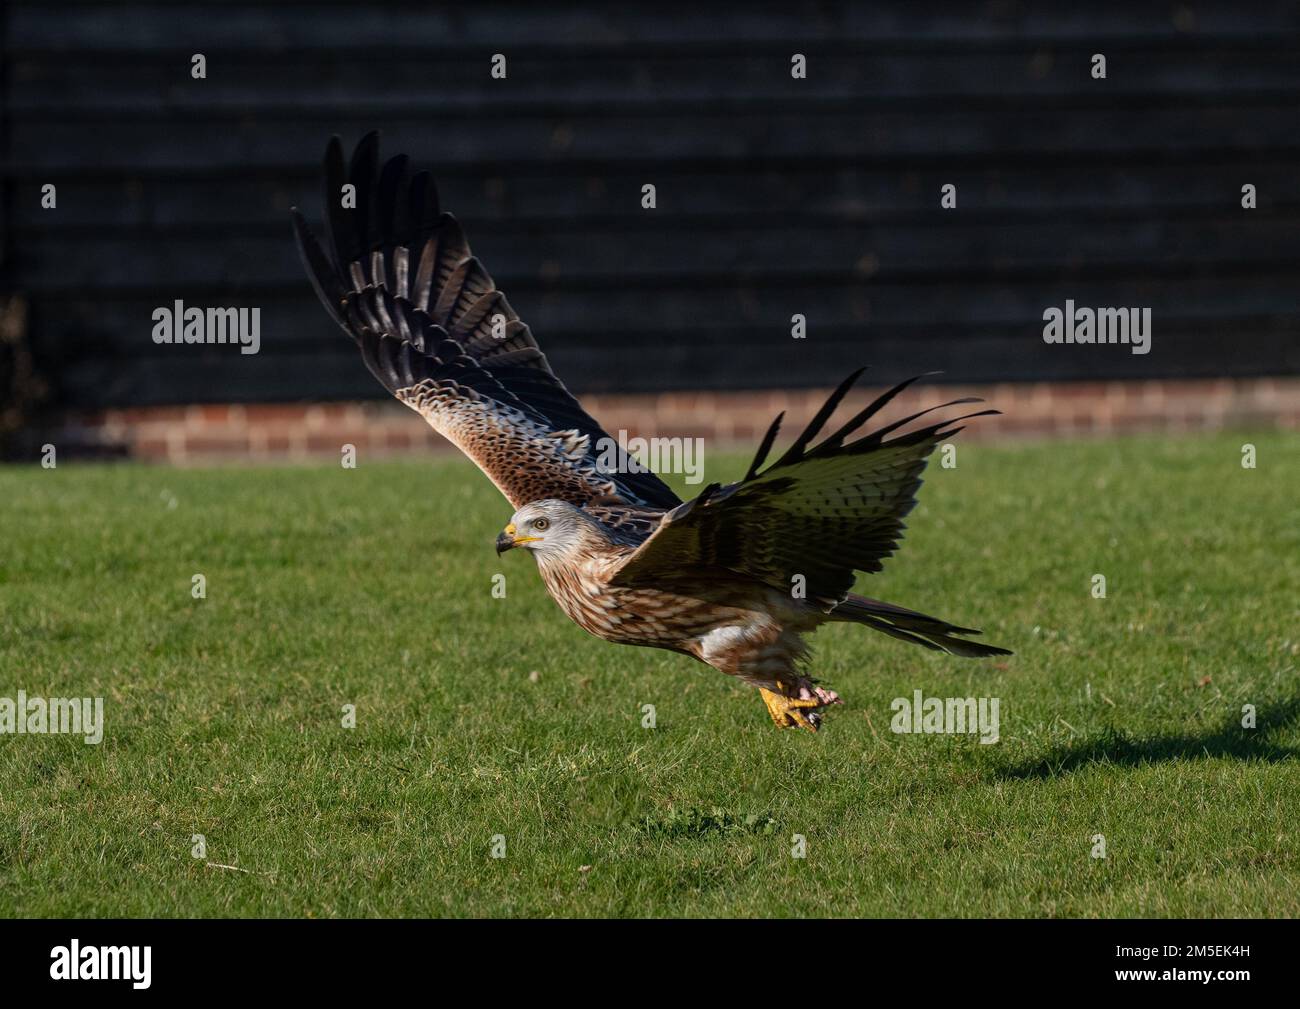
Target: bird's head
<point x="546" y="527"/>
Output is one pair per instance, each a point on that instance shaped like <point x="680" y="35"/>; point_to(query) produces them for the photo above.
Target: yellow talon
<point x="785" y="710"/>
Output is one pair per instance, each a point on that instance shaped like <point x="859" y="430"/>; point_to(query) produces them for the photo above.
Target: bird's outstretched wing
<point x="824" y="512"/>
<point x="398" y="276"/>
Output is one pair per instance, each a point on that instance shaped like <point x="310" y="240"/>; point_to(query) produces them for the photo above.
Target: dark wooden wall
<point x="776" y="196"/>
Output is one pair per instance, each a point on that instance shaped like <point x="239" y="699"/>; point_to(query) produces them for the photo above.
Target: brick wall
<point x="300" y="432"/>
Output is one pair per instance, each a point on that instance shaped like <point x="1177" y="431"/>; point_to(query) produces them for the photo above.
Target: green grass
<point x="372" y="587"/>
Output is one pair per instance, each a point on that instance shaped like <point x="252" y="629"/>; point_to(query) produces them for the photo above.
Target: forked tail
<point x="908" y="625"/>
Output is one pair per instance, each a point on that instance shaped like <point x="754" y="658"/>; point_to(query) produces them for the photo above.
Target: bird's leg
<point x="785" y="711"/>
<point x="799" y="703"/>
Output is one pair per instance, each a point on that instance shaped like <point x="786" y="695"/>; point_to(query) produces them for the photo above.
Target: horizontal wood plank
<point x="775" y="196"/>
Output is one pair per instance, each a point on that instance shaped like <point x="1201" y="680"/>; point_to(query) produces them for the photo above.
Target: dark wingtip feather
<point x="936" y="432"/>
<point x="835" y="440"/>
<point x="362" y="172"/>
<point x="877" y="437"/>
<point x="392" y="209"/>
<point x="336" y="218"/>
<point x="423" y="206"/>
<point x="320" y="271"/>
<point x="795" y="451"/>
<point x="765" y="446"/>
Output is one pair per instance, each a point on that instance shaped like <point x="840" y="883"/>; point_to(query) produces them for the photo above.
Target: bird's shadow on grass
<point x="1116" y="748"/>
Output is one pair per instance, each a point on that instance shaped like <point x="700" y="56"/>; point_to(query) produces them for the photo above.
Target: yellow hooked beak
<point x="508" y="540"/>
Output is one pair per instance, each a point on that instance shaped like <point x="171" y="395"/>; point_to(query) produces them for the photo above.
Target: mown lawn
<point x="479" y="716"/>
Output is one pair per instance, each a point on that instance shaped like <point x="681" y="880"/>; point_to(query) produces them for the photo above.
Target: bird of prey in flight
<point x="715" y="578"/>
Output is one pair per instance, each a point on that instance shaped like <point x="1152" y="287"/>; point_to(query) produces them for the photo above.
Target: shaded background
<point x="775" y="196"/>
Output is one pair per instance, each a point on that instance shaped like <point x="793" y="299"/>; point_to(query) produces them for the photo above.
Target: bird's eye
<point x="541" y="523"/>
